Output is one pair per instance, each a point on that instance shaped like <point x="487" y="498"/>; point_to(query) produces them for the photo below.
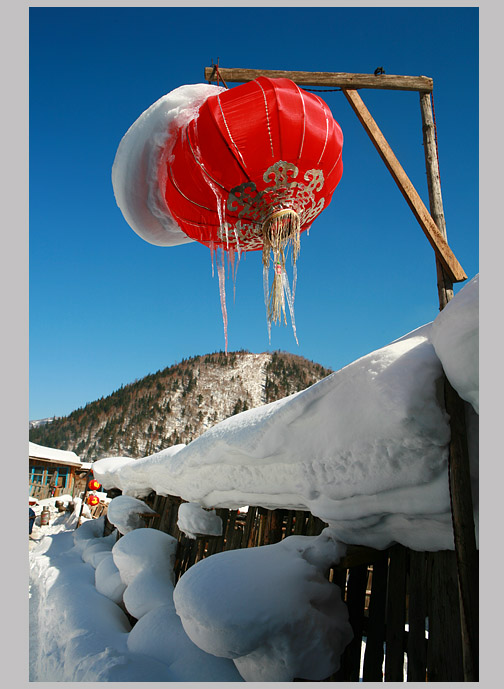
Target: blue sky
<point x="106" y="307"/>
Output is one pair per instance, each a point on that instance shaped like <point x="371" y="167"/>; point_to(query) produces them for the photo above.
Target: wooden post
<point x="458" y="460"/>
<point x="463" y="532"/>
<point x="445" y="286"/>
<point x="83" y="498"/>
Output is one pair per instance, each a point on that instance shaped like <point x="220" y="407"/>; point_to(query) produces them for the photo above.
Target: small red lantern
<point x="94" y="484"/>
<point x="93" y="500"/>
<point x="250" y="169"/>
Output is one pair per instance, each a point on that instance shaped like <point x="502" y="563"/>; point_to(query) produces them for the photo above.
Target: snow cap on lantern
<point x="245" y="169"/>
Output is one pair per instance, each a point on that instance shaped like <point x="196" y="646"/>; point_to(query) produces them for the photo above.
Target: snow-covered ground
<point x="364" y="449"/>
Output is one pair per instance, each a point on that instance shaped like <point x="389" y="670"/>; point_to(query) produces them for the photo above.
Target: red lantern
<point x="250" y="170"/>
<point x="93" y="500"/>
<point x="254" y="151"/>
<point x="94" y="484"/>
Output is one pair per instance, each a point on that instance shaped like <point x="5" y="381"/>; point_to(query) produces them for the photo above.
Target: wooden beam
<point x="431" y="231"/>
<point x="327" y="79"/>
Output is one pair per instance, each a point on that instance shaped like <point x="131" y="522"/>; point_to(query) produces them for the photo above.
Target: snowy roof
<point x="51" y="454"/>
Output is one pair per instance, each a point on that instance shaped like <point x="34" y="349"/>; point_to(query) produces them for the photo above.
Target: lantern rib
<point x="205" y="171"/>
<point x="326" y="138"/>
<point x="267" y="117"/>
<point x="195" y="203"/>
<point x="332" y="169"/>
<point x="228" y="131"/>
<point x="304" y="122"/>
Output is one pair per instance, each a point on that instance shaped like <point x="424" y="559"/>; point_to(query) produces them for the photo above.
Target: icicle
<point x="230" y="254"/>
<point x="212" y="250"/>
<point x="294" y="281"/>
<point x="234" y="263"/>
<point x="221" y="270"/>
<point x="266" y="296"/>
<point x="238" y="247"/>
<point x="290" y="302"/>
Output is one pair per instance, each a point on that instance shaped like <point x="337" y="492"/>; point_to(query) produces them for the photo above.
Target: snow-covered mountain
<point x="178" y="404"/>
<point x="41" y="422"/>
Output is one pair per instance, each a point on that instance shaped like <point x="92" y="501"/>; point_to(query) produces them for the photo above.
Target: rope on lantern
<point x="279" y="231"/>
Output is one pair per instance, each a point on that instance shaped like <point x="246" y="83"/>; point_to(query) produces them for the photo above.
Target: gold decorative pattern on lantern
<point x="286" y="192"/>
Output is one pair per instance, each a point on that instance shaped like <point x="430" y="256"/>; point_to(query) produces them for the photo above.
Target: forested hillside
<point x="177" y="404"/>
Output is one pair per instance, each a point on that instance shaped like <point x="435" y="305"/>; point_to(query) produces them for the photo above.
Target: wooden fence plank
<point x="249" y="526"/>
<point x="444" y="647"/>
<point x="396" y="615"/>
<point x="374" y="654"/>
<point x="417" y="613"/>
<point x="274" y="526"/>
<point x="229" y="531"/>
<point x="299" y="526"/>
<point x="289" y="523"/>
<point x="355" y="598"/>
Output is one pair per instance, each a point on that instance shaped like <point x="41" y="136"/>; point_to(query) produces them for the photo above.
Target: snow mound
<point x="455" y="336"/>
<point x="124" y="513"/>
<point x="108" y="579"/>
<point x="81" y="634"/>
<point x="137" y="164"/>
<point x="160" y="634"/>
<point x="270" y="609"/>
<point x="145" y="560"/>
<point x="97" y="549"/>
<point x="78" y="629"/>
<point x="87" y="532"/>
<point x="193" y="521"/>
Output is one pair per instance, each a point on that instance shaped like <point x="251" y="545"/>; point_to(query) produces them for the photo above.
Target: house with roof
<point x="54" y="472"/>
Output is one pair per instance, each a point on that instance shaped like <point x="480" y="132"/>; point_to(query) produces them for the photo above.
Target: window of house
<point x="37" y="475"/>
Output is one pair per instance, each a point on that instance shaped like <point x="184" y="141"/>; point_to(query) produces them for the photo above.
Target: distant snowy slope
<point x="41" y="422"/>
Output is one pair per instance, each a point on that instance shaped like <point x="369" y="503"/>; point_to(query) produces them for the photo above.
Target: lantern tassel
<point x="279" y="231"/>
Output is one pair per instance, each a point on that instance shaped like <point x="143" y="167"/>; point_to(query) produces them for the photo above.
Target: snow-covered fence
<point x="403" y="604"/>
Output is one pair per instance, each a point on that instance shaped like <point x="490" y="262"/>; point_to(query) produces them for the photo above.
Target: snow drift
<point x="270" y="609"/>
<point x="82" y="584"/>
<point x="195" y="521"/>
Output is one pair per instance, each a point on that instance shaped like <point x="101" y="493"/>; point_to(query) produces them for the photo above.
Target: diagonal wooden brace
<point x="431" y="231"/>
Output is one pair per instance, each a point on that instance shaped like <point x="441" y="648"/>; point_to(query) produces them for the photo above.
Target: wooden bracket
<point x="348" y="83"/>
